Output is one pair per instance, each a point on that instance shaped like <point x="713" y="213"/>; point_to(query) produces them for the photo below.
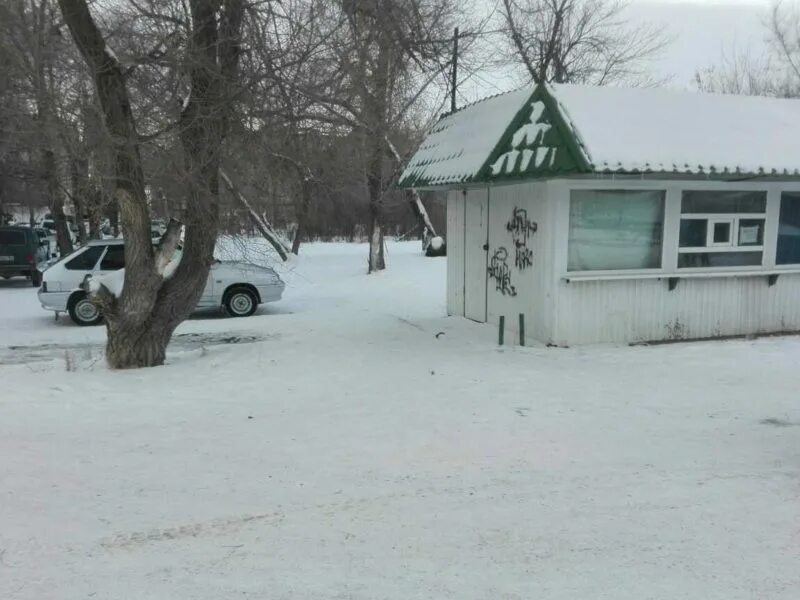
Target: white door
<point x="476" y="228"/>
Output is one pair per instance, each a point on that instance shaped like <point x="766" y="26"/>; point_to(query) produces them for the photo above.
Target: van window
<point x="12" y="238"/>
<point x="85" y="261"/>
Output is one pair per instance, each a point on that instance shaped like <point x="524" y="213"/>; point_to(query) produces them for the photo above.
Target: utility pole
<point x="454" y="81"/>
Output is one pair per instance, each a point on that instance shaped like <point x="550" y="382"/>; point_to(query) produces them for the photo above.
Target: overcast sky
<point x="703" y="32"/>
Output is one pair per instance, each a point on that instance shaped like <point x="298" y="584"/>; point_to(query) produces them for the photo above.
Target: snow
<point x="363" y="445"/>
<point x="112" y="281"/>
<point x="458" y="145"/>
<point x="649" y="129"/>
<point x="437" y="242"/>
<point x="620" y="130"/>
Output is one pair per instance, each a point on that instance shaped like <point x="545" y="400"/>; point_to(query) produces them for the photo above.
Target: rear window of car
<point x="85" y="261"/>
<point x="114" y="259"/>
<point x="12" y="238"/>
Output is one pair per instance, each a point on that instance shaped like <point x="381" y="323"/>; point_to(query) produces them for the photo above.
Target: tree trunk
<point x="302" y="213"/>
<point x="112" y="209"/>
<point x="79" y="174"/>
<point x="149" y="349"/>
<point x="140" y="322"/>
<point x="376" y="116"/>
<point x="56" y="202"/>
<point x="376" y="258"/>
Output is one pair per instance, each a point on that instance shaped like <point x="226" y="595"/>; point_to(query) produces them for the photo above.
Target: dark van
<point x="20" y="251"/>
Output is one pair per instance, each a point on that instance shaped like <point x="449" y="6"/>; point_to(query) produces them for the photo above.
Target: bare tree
<point x="746" y="75"/>
<point x="579" y="41"/>
<point x="774" y="73"/>
<point x="141" y="320"/>
<point x="390" y="51"/>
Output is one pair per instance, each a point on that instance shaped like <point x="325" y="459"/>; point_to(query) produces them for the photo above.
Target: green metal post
<point x="501" y="334"/>
<point x="521" y="329"/>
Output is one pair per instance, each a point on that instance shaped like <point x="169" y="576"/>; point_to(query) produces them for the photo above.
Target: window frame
<point x="620" y="188"/>
<point x="108" y="247"/>
<point x="561" y="192"/>
<point x="88" y="248"/>
<point x="732" y="220"/>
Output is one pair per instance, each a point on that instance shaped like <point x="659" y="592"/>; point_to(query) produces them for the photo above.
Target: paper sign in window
<point x="748" y="235"/>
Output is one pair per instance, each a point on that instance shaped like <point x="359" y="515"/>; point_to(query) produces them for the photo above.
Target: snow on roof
<point x="658" y="130"/>
<point x="457" y="146"/>
<point x="617" y="130"/>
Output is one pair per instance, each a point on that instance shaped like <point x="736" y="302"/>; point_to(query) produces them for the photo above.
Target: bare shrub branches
<point x="579" y="41"/>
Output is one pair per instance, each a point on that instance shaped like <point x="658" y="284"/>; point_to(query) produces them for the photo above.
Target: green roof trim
<point x="537" y="143"/>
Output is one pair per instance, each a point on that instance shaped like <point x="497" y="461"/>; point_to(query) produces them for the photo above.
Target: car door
<point x="207" y="299"/>
<point x="113" y="259"/>
<point x="80" y="265"/>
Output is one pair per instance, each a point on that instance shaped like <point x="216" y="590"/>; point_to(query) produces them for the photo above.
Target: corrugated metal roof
<point x="458" y="145"/>
<point x="616" y="130"/>
<point x="666" y="131"/>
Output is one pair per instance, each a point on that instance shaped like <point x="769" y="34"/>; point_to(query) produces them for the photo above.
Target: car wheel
<point x="240" y="302"/>
<point x="36" y="278"/>
<point x="83" y="311"/>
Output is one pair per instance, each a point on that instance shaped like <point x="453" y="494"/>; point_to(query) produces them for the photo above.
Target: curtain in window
<point x="615" y="229"/>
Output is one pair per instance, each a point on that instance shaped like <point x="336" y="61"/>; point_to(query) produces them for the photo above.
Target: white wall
<point x="599" y="308"/>
<point x="455" y="253"/>
<point x="621" y="307"/>
<point x="532" y="284"/>
<point x="640" y="310"/>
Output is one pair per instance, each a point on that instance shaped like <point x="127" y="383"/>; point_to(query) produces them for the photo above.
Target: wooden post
<point x="502" y="331"/>
<point x="521" y="329"/>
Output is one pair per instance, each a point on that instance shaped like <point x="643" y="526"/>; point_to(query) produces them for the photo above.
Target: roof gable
<point x="537" y="143"/>
<point x="456" y="147"/>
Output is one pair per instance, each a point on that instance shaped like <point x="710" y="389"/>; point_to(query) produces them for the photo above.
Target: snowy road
<point x="348" y="452"/>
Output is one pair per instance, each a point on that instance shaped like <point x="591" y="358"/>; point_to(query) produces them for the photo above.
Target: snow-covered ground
<point x="342" y="450"/>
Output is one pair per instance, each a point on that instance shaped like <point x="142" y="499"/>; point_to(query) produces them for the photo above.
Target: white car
<point x="237" y="287"/>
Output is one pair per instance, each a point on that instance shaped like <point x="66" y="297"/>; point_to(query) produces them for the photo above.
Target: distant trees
<point x="776" y="73"/>
<point x="38" y="69"/>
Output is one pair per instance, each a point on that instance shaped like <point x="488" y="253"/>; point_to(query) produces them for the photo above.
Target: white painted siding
<point x="455" y="253"/>
<point x="702" y="305"/>
<point x="564" y="309"/>
<point x="645" y="310"/>
<point x="532" y="284"/>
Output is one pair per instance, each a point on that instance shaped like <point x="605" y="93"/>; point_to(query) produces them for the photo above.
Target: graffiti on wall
<point x="500" y="271"/>
<point x="522" y="229"/>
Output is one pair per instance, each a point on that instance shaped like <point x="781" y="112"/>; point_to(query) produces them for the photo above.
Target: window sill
<point x="686" y="274"/>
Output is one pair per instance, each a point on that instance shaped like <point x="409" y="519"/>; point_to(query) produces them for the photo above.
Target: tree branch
<point x="261" y="224"/>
